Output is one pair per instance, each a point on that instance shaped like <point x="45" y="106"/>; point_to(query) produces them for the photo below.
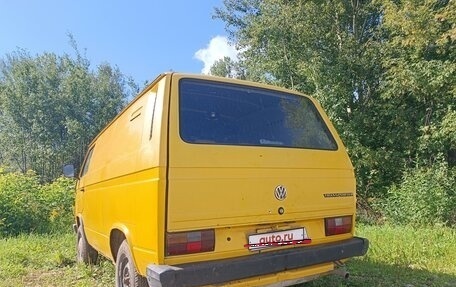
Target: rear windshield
<point x="228" y="114"/>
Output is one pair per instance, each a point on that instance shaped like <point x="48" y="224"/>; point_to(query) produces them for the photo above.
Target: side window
<point x="85" y="168"/>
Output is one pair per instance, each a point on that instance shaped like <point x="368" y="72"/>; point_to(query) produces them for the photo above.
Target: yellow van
<point x="207" y="181"/>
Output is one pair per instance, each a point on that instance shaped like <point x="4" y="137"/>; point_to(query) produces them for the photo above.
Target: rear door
<point x="247" y="160"/>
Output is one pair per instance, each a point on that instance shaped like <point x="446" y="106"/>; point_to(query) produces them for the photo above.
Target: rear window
<point x="228" y="114"/>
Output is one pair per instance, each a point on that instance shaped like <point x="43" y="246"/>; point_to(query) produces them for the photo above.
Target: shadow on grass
<point x="365" y="273"/>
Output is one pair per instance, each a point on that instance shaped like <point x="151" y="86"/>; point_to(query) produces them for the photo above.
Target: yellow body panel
<point x="125" y="185"/>
<point x="143" y="180"/>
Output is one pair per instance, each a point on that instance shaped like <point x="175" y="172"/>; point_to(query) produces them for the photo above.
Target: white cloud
<point x="217" y="49"/>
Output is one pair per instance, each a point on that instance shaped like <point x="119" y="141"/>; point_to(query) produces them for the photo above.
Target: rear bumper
<point x="219" y="271"/>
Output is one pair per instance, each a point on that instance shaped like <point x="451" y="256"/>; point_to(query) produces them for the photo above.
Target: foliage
<point x="27" y="206"/>
<point x="52" y="106"/>
<point x="20" y="204"/>
<point x="439" y="138"/>
<point x="420" y="63"/>
<point x="59" y="200"/>
<point x="223" y="68"/>
<point x="426" y="195"/>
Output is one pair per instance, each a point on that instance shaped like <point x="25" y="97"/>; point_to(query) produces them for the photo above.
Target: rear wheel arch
<point x="116" y="238"/>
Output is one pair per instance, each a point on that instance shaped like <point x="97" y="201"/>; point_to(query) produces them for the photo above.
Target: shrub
<point x="20" y="204"/>
<point x="27" y="206"/>
<point x="425" y="196"/>
<point x="59" y="199"/>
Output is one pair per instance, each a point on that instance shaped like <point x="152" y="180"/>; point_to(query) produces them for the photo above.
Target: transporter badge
<point x="280" y="192"/>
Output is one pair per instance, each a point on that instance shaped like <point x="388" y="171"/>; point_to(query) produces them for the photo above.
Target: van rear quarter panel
<point x="126" y="182"/>
<point x="231" y="188"/>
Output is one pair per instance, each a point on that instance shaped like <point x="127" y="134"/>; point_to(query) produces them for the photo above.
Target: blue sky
<point x="143" y="38"/>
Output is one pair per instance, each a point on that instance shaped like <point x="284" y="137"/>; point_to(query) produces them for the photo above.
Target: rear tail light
<point x="178" y="243"/>
<point x="338" y="225"/>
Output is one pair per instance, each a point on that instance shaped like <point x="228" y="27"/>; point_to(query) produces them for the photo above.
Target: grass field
<point x="398" y="256"/>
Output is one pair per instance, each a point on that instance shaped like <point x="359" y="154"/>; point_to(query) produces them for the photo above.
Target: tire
<point x="85" y="253"/>
<point x="126" y="274"/>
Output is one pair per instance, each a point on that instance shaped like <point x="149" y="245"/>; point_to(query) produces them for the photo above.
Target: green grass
<point x="401" y="256"/>
<point x="398" y="256"/>
<point x="48" y="260"/>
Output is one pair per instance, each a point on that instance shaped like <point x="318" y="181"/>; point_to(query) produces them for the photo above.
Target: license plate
<point x="277" y="239"/>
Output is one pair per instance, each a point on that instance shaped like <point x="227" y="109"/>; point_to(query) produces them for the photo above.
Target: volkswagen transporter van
<point x="206" y="181"/>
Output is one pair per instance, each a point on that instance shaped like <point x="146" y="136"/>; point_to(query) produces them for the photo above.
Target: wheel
<point x="126" y="274"/>
<point x="85" y="253"/>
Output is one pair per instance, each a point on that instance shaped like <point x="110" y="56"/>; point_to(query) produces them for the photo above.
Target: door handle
<point x="81" y="189"/>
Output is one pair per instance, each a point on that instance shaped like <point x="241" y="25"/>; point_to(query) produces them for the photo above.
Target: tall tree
<point x="52" y="106"/>
<point x="420" y="64"/>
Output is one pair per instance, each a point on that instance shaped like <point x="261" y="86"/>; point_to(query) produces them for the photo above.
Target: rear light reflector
<point x="338" y="225"/>
<point x="178" y="243"/>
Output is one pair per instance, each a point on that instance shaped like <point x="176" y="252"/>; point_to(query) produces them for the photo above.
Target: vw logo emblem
<point x="280" y="192"/>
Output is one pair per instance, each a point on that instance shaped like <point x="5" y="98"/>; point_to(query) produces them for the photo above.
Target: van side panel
<point x="125" y="186"/>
